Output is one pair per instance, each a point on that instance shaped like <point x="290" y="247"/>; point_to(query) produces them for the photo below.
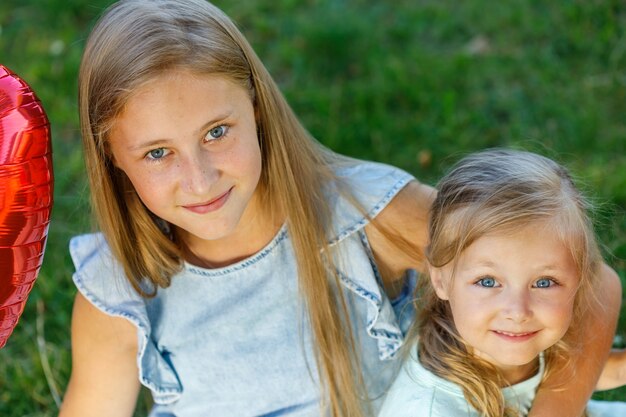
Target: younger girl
<point x="242" y="269"/>
<point x="513" y="263"/>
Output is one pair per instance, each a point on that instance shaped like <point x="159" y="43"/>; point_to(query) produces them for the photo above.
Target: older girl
<point x="241" y="269"/>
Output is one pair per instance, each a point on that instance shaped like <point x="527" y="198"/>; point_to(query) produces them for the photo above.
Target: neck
<point x="251" y="235"/>
<point x="519" y="373"/>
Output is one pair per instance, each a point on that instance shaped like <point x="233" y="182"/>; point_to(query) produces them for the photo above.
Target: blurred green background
<point x="413" y="83"/>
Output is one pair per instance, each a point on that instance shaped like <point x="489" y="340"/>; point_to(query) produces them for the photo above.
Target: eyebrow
<point x="161" y="141"/>
<point x="149" y="144"/>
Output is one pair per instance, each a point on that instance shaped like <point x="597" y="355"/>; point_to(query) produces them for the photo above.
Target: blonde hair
<point x="136" y="41"/>
<point x="494" y="191"/>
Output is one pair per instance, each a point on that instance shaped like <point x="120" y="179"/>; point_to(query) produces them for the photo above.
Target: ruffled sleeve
<point x="101" y="280"/>
<point x="373" y="186"/>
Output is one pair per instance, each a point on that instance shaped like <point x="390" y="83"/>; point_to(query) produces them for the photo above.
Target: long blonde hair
<point x="136" y="41"/>
<point x="492" y="191"/>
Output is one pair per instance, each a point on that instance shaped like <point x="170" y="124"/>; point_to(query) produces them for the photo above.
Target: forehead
<point x="180" y="83"/>
<point x="534" y="246"/>
<point x="178" y="103"/>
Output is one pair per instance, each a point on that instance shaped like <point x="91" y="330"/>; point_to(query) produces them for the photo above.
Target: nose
<point x="198" y="173"/>
<point x="517" y="305"/>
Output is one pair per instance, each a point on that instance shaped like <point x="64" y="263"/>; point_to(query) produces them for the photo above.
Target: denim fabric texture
<point x="235" y="341"/>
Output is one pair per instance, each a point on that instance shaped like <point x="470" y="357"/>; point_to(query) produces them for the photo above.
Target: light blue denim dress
<point x="235" y="341"/>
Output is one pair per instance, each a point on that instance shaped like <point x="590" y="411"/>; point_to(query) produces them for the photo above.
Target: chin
<point x="210" y="232"/>
<point x="214" y="235"/>
<point x="519" y="360"/>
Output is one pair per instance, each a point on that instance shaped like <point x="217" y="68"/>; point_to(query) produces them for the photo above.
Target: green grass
<point x="414" y="84"/>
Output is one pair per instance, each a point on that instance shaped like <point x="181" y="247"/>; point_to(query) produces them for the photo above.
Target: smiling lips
<point x="515" y="337"/>
<point x="209" y="206"/>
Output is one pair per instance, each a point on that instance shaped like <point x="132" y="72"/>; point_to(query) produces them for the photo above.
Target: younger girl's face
<point x="512" y="296"/>
<point x="189" y="146"/>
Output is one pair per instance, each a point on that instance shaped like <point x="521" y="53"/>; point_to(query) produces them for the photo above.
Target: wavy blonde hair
<point x="136" y="41"/>
<point x="492" y="191"/>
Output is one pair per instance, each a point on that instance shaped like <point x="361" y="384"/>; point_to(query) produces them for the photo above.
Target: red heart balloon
<point x="25" y="195"/>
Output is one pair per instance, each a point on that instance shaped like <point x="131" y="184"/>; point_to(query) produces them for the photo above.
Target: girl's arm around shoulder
<point x="571" y="394"/>
<point x="104" y="380"/>
<point x="399" y="234"/>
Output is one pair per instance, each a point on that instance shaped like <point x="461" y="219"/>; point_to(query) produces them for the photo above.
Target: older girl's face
<point x="189" y="146"/>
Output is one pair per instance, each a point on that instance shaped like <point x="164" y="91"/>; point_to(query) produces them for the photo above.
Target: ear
<point x="439" y="281"/>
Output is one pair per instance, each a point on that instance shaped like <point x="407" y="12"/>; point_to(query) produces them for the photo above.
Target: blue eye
<point x="544" y="283"/>
<point x="216" y="133"/>
<point x="487" y="282"/>
<point x="157" y="153"/>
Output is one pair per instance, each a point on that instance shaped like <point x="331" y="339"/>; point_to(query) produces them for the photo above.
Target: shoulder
<point x="108" y="308"/>
<point x="409" y="207"/>
<point x="359" y="192"/>
<point x="408" y="398"/>
<point x="104" y="345"/>
<point x="399" y="234"/>
<point x="99" y="277"/>
<point x="424" y="393"/>
<point x="390" y="205"/>
<point x="99" y="331"/>
<point x="88" y="249"/>
<point x="414" y="394"/>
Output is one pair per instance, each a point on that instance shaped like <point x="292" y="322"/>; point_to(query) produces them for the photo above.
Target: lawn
<point x="414" y="84"/>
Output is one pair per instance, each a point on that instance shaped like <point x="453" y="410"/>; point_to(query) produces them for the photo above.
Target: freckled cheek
<point x="258" y="165"/>
<point x="150" y="184"/>
<point x="249" y="162"/>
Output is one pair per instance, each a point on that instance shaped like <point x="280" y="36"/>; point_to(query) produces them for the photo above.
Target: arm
<point x="399" y="234"/>
<point x="570" y="399"/>
<point x="614" y="373"/>
<point x="104" y="379"/>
